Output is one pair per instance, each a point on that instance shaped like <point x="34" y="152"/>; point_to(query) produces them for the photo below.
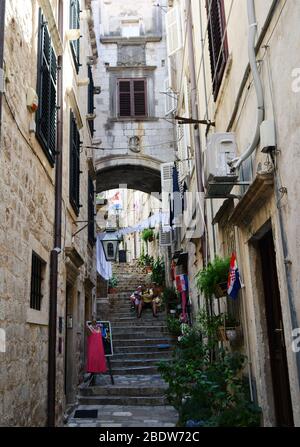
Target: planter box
<point x="221" y="290"/>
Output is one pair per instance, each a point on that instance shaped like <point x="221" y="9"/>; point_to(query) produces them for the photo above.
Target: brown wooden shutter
<point x="124" y="98"/>
<point x="218" y="46"/>
<point x="139" y="89"/>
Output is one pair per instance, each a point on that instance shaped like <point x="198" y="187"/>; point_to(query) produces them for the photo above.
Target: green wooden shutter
<point x="47" y="90"/>
<point x="75" y="24"/>
<point x="74" y="164"/>
<point x="91" y="104"/>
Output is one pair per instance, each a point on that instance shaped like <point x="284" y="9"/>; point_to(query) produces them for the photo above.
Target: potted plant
<point x="112" y="284"/>
<point x="174" y="326"/>
<point x="171" y="298"/>
<point x="147" y="235"/>
<point x="231" y="329"/>
<point x="212" y="280"/>
<point x="158" y="272"/>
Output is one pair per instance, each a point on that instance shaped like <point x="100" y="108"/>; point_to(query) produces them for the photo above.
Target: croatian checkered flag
<point x="234" y="282"/>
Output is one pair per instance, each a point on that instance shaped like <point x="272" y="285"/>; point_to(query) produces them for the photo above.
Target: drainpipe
<point x="51" y="414"/>
<point x="195" y="114"/>
<point x="2" y="23"/>
<point x="236" y="163"/>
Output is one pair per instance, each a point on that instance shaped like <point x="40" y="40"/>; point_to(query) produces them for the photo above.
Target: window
<point x="74" y="164"/>
<point x="37" y="271"/>
<point x="217" y="37"/>
<point x="173" y="29"/>
<point x="91" y="106"/>
<point x="132" y="98"/>
<point x="75" y="24"/>
<point x="91" y="211"/>
<point x="46" y="87"/>
<point x="130" y="28"/>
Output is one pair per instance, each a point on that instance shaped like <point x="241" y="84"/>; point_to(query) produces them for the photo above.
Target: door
<point x="278" y="359"/>
<point x="68" y="344"/>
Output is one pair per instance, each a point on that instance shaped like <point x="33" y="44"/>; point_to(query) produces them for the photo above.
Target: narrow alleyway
<point x="137" y="398"/>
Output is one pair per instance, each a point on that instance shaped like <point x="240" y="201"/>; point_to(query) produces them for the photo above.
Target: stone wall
<point x="27" y="222"/>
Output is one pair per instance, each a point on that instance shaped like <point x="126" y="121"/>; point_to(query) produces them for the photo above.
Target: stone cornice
<point x="130" y="40"/>
<point x="132" y="67"/>
<point x="254" y="198"/>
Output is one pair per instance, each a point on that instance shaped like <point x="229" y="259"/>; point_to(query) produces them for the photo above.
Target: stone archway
<point x="140" y="173"/>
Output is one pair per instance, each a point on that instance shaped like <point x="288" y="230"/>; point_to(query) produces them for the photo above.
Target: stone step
<point x="132" y="391"/>
<point x="143" y="349"/>
<point x="144" y="370"/>
<point x="122" y="400"/>
<point x="142" y="335"/>
<point x="142" y="355"/>
<point x="143" y="341"/>
<point x="132" y="363"/>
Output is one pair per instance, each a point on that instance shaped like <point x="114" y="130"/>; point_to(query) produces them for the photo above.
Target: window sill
<point x="134" y="118"/>
<point x="37" y="317"/>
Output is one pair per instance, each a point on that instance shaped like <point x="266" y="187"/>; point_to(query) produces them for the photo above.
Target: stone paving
<point x="127" y="416"/>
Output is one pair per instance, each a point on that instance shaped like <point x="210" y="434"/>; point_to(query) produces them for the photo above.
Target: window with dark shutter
<point x="91" y="105"/>
<point x="37" y="273"/>
<point x="132" y="98"/>
<point x="74" y="164"/>
<point x="218" y="45"/>
<point x="91" y="212"/>
<point x="46" y="116"/>
<point x="75" y="24"/>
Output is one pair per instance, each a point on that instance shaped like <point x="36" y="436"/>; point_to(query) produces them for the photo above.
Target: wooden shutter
<point x="47" y="90"/>
<point x="124" y="98"/>
<point x="139" y="94"/>
<point x="74" y="164"/>
<point x="173" y="29"/>
<point x="217" y="37"/>
<point x="91" y="211"/>
<point x="91" y="106"/>
<point x="75" y="24"/>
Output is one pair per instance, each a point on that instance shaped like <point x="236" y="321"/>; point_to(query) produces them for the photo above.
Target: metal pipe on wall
<point x="51" y="413"/>
<point x="2" y="24"/>
<point x="195" y="115"/>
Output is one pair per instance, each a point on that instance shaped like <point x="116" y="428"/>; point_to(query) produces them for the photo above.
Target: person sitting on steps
<point x="135" y="298"/>
<point x="147" y="299"/>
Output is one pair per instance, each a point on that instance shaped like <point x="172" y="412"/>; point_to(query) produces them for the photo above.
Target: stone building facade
<point x="259" y="220"/>
<point x="132" y="133"/>
<point x="34" y="30"/>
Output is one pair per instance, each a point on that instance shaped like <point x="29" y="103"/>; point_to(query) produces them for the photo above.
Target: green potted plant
<point x="112" y="284"/>
<point x="170" y="298"/>
<point x="212" y="280"/>
<point x="158" y="272"/>
<point x="147" y="235"/>
<point x="174" y="326"/>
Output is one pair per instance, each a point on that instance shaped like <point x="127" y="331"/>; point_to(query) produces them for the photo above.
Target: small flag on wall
<point x="234" y="282"/>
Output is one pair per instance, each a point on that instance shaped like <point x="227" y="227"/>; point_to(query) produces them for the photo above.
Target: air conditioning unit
<point x="220" y="150"/>
<point x="165" y="238"/>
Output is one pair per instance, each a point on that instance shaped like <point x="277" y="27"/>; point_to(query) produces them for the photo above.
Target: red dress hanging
<point x="96" y="362"/>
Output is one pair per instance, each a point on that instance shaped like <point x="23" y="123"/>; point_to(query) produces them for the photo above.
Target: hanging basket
<point x="222" y="334"/>
<point x="221" y="290"/>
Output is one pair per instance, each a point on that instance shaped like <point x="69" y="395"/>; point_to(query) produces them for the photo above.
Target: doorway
<point x="275" y="330"/>
<point x="69" y="345"/>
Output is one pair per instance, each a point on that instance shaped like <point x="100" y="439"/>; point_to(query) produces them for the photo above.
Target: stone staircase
<point x="139" y="344"/>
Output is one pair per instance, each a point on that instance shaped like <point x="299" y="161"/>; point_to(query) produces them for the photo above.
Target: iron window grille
<point x="74" y="164"/>
<point x="91" y="103"/>
<point x="75" y="24"/>
<point x="132" y="94"/>
<point x="46" y="117"/>
<point x="37" y="270"/>
<point x="218" y="44"/>
<point x="91" y="211"/>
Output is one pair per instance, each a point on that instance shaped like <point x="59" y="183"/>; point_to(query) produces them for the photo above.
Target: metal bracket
<point x="2" y="86"/>
<point x="184" y="120"/>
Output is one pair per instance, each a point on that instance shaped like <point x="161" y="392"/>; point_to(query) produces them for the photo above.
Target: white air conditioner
<point x="220" y="150"/>
<point x="165" y="238"/>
